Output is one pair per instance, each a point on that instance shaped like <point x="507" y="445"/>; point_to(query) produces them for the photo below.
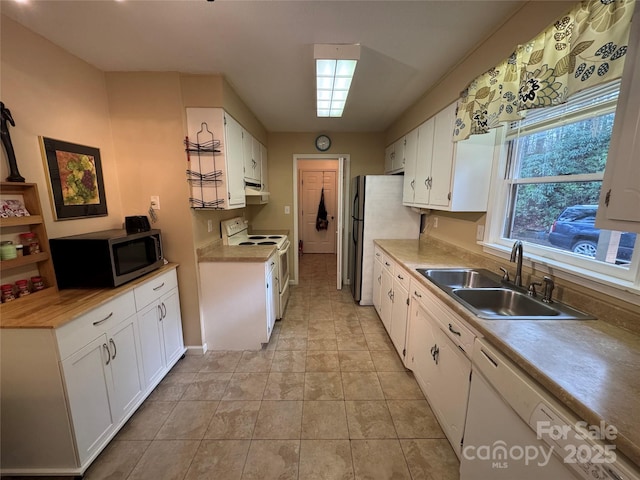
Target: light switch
<point x="287" y="210"/>
<point x="209" y="226"/>
<point x="155" y="202"/>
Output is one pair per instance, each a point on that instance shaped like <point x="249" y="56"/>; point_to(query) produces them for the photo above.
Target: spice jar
<point x="30" y="242"/>
<point x="37" y="284"/>
<point x="20" y="250"/>
<point x="23" y="288"/>
<point x="8" y="250"/>
<point x="6" y="292"/>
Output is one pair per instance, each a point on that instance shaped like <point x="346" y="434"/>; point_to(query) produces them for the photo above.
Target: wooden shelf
<point x="21" y="221"/>
<point x="24" y="260"/>
<point x="34" y="223"/>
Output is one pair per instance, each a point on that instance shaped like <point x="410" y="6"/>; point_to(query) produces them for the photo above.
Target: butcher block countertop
<point x="591" y="366"/>
<point x="52" y="309"/>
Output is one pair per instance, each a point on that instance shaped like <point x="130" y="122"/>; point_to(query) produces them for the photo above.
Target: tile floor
<point x="327" y="398"/>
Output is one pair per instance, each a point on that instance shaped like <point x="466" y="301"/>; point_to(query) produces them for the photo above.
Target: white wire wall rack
<point x="203" y="176"/>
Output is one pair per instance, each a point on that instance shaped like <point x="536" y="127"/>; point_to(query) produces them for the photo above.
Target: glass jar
<point x="6" y="292"/>
<point x="8" y="250"/>
<point x="37" y="284"/>
<point x="23" y="288"/>
<point x="20" y="250"/>
<point x="30" y="242"/>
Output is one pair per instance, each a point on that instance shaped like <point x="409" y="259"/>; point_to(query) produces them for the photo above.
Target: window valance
<point x="584" y="48"/>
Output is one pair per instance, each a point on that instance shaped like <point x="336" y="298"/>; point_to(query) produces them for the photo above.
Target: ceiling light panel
<point x="335" y="66"/>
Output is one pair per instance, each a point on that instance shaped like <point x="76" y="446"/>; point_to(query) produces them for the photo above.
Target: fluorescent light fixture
<point x="335" y="66"/>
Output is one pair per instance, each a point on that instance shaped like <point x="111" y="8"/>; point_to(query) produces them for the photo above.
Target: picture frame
<point x="75" y="179"/>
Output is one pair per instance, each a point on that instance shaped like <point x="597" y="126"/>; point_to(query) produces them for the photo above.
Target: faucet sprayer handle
<point x="549" y="285"/>
<point x="505" y="277"/>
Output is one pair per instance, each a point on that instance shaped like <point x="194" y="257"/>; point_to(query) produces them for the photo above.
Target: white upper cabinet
<point x="620" y="194"/>
<point x="217" y="165"/>
<point x="399" y="153"/>
<point x="447" y="175"/>
<point x="252" y="159"/>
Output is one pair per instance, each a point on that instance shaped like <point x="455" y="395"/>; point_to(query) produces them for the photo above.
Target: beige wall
<point x="366" y="151"/>
<point x="53" y="94"/>
<point x="533" y="17"/>
<point x="147" y="118"/>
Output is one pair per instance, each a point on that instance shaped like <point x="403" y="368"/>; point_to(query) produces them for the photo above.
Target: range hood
<point x="250" y="191"/>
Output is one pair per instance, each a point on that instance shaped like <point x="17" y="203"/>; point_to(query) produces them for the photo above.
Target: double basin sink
<point x="488" y="297"/>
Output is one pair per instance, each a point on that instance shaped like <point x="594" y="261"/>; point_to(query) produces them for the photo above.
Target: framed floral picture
<point x="75" y="179"/>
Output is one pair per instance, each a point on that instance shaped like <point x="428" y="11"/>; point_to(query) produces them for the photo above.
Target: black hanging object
<point x="322" y="223"/>
<point x="14" y="174"/>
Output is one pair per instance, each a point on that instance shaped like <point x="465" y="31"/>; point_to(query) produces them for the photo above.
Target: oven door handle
<point x="285" y="249"/>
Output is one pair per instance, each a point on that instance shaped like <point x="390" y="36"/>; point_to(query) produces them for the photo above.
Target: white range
<point x="234" y="233"/>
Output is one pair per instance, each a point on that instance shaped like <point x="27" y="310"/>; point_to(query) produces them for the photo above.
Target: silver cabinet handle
<point x="387" y="264"/>
<point x="115" y="351"/>
<point x="99" y="322"/>
<point x="379" y="278"/>
<point x="453" y="331"/>
<point x="413" y="182"/>
<point x="164" y="310"/>
<point x="415" y="292"/>
<point x="159" y="313"/>
<point x="104" y="345"/>
<point x="400" y="277"/>
<point x="158" y="287"/>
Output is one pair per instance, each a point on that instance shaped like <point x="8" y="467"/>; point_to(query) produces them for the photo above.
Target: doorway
<point x="317" y="182"/>
<point x="312" y="173"/>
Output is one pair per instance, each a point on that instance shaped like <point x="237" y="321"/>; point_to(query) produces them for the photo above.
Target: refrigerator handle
<point x="354" y="213"/>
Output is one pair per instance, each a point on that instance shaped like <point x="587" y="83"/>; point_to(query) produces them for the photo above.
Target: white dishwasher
<point x="523" y="433"/>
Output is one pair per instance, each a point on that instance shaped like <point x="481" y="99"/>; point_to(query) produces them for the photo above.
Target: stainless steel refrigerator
<point x="376" y="213"/>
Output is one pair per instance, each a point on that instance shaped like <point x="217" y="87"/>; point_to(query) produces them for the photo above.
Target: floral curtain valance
<point x="582" y="49"/>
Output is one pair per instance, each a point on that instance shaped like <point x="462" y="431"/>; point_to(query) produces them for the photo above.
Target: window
<point x="551" y="178"/>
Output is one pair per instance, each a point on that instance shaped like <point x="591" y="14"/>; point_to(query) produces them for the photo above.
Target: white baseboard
<point x="196" y="349"/>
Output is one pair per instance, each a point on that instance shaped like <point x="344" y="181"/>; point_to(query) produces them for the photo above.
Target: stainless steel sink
<point x="461" y="277"/>
<point x="488" y="297"/>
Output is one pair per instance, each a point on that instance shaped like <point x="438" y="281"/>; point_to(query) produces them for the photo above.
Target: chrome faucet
<point x="548" y="289"/>
<point x="516" y="256"/>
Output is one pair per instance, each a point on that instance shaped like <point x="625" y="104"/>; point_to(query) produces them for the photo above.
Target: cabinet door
<point x="264" y="171"/>
<point x="421" y="342"/>
<point x="247" y="155"/>
<point x="125" y="367"/>
<point x="272" y="294"/>
<point x="620" y="193"/>
<point x="386" y="298"/>
<point x="234" y="162"/>
<point x="388" y="158"/>
<point x="256" y="161"/>
<point x="410" y="149"/>
<point x="377" y="284"/>
<point x="89" y="383"/>
<point x="399" y="312"/>
<point x="451" y="388"/>
<point x="151" y="343"/>
<point x="424" y="159"/>
<point x="440" y="185"/>
<point x="171" y="327"/>
<point x="399" y="154"/>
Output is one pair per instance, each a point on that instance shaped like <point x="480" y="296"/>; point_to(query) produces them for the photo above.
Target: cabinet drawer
<point x="450" y="322"/>
<point x="387" y="263"/>
<point x="154" y="289"/>
<point x="76" y="334"/>
<point x="401" y="276"/>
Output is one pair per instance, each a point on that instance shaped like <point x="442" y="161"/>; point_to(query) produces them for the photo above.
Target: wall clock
<point x="323" y="142"/>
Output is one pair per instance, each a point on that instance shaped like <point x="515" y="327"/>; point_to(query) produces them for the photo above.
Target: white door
<point x="377" y="284"/>
<point x="311" y="186"/>
<point x="151" y="343"/>
<point x="386" y="298"/>
<point x="125" y="367"/>
<point x="399" y="311"/>
<point x="171" y="327"/>
<point x="88" y="380"/>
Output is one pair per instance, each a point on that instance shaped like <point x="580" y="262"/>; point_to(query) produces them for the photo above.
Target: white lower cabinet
<point x="377" y="280"/>
<point x="106" y="362"/>
<point x="439" y="362"/>
<point x="399" y="312"/>
<point x="238" y="303"/>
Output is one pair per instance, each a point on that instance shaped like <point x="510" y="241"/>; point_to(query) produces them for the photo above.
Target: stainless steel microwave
<point x="108" y="258"/>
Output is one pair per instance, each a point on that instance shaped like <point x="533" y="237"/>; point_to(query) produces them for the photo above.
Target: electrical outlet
<point x="480" y="233"/>
<point x="155" y="202"/>
<point x="435" y="222"/>
<point x="209" y="226"/>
